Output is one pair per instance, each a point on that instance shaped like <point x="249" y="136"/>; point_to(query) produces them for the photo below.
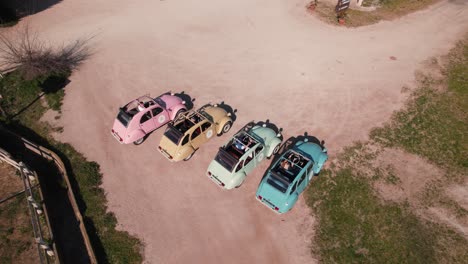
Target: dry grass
<point x="24" y="51"/>
<point x="16" y="234"/>
<point x="357" y="226"/>
<point x="388" y="10"/>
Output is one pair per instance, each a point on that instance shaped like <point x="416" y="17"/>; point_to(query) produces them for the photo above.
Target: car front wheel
<point x="181" y="111"/>
<point x="226" y="128"/>
<point x="275" y="150"/>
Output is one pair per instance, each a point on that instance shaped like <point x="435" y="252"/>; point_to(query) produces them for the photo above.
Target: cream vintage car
<point x="243" y="153"/>
<point x="193" y="128"/>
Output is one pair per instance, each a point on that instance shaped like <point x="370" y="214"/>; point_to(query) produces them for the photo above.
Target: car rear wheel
<point x="139" y="141"/>
<point x="189" y="156"/>
<point x="240" y="184"/>
<point x="226" y="128"/>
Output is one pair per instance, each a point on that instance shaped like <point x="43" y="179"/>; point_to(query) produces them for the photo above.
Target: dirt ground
<point x="268" y="59"/>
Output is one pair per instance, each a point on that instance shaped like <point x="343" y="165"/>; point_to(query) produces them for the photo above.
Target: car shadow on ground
<point x="229" y="109"/>
<point x="186" y="98"/>
<point x="290" y="142"/>
<point x="270" y="125"/>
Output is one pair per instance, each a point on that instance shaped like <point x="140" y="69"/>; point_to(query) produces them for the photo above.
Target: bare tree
<point x="22" y="50"/>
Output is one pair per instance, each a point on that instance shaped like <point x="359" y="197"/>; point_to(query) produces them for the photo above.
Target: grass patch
<point x="23" y="108"/>
<point x="356" y="227"/>
<point x="386" y="10"/>
<point x="434" y="123"/>
<point x="15" y="231"/>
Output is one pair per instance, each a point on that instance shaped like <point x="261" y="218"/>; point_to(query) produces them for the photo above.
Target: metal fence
<point x="50" y="155"/>
<point x="47" y="251"/>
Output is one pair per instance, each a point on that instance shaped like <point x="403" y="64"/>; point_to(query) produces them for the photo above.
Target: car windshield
<point x="287" y="169"/>
<point x="183" y="125"/>
<point x="206" y="115"/>
<point x="124" y="117"/>
<point x="239" y="145"/>
<point x="279" y="181"/>
<point x="226" y="159"/>
<point x="160" y="102"/>
<point x="127" y="112"/>
<point x="173" y="134"/>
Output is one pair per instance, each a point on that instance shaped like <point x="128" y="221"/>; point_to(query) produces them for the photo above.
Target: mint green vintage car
<point x="243" y="152"/>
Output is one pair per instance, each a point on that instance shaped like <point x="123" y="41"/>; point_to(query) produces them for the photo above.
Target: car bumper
<point x="268" y="204"/>
<point x="166" y="155"/>
<point x="119" y="139"/>
<point x="217" y="181"/>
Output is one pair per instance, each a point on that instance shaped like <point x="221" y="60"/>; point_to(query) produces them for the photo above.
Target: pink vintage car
<point x="136" y="120"/>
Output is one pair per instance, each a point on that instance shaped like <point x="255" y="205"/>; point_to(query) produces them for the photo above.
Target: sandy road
<point x="268" y="59"/>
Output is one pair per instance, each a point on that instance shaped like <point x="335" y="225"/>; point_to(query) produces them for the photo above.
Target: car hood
<point x="265" y="133"/>
<point x="311" y="149"/>
<point x="171" y="100"/>
<point x="216" y="112"/>
<point x="272" y="195"/>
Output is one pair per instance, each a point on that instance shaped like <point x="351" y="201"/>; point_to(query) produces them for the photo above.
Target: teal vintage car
<point x="290" y="174"/>
<point x="243" y="152"/>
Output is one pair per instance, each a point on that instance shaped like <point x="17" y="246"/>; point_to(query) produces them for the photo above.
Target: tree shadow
<point x="51" y="85"/>
<point x="8" y="16"/>
<point x="54" y="83"/>
<point x="25" y="7"/>
<point x="65" y="225"/>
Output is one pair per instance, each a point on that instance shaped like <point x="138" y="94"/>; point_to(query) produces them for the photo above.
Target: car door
<point x="196" y="137"/>
<point x="250" y="161"/>
<point x="260" y="154"/>
<point x="207" y="130"/>
<point x="146" y="122"/>
<point x="160" y="117"/>
<point x="302" y="182"/>
<point x="201" y="134"/>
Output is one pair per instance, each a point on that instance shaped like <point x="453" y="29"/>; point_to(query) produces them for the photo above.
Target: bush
<point x="22" y="50"/>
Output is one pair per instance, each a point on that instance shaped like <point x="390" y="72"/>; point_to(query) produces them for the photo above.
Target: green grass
<point x="355" y="225"/>
<point x="434" y="124"/>
<point x="15" y="229"/>
<point x="117" y="246"/>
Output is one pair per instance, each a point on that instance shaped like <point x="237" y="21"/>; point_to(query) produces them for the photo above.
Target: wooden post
<point x="340" y="10"/>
